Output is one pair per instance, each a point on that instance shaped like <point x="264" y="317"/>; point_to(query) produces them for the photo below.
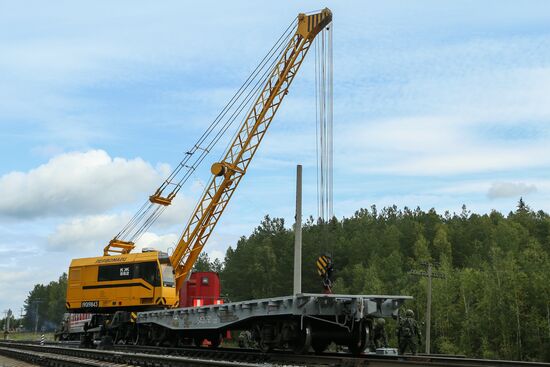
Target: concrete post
<point x="429" y="309"/>
<point x="36" y="319"/>
<point x="298" y="233"/>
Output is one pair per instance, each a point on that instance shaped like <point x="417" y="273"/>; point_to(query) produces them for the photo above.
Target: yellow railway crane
<point x="121" y="280"/>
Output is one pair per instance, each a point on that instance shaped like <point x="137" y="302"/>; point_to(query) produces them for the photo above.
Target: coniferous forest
<point x="494" y="299"/>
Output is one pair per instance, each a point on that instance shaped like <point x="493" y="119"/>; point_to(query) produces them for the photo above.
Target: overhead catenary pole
<point x="37" y="302"/>
<point x="429" y="310"/>
<point x="7" y="324"/>
<point x="298" y="233"/>
<point x="36" y="318"/>
<point x="429" y="273"/>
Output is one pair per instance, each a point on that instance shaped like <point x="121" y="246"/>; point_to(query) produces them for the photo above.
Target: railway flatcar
<point x="297" y="323"/>
<point x="72" y="326"/>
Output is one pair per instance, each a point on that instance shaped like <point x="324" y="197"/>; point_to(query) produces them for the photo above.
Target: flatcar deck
<point x="324" y="307"/>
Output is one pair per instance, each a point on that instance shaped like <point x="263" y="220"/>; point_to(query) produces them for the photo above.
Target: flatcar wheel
<point x="266" y="336"/>
<point x="215" y="340"/>
<point x="158" y="335"/>
<point x="360" y="336"/>
<point x="265" y="347"/>
<point x="303" y="341"/>
<point x="198" y="341"/>
<point x="320" y="345"/>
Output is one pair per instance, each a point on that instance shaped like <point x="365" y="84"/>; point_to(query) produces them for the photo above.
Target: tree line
<point x="494" y="301"/>
<point x="45" y="305"/>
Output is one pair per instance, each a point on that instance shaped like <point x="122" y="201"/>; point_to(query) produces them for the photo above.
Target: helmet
<point x="409" y="313"/>
<point x="380" y="321"/>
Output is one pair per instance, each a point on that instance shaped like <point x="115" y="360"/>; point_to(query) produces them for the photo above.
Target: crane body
<point x="133" y="296"/>
<point x="115" y="281"/>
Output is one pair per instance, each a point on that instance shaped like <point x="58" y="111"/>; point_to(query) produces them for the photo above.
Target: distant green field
<point x="29" y="336"/>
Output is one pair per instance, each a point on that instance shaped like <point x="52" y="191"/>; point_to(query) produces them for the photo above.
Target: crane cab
<point x="135" y="281"/>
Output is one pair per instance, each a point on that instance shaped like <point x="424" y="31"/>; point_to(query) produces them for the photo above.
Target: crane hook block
<point x="157" y="199"/>
<point x="218" y="169"/>
<point x="116" y="246"/>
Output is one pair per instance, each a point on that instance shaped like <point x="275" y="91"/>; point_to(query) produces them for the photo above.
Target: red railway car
<point x="202" y="288"/>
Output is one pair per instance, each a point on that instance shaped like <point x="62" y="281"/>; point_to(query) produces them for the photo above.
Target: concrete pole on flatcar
<point x="298" y="233"/>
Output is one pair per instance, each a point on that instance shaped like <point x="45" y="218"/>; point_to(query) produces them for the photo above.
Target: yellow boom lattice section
<point x="229" y="172"/>
<point x="274" y="79"/>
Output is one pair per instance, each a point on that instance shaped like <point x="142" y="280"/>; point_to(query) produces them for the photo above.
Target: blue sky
<point x="437" y="104"/>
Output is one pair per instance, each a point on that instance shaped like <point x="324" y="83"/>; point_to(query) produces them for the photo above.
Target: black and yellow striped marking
<point x="323" y="263"/>
<point x="133" y="316"/>
<point x="313" y="20"/>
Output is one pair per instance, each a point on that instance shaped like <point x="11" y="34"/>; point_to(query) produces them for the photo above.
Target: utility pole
<point x="7" y="323"/>
<point x="428" y="273"/>
<point x="298" y="233"/>
<point x="37" y="302"/>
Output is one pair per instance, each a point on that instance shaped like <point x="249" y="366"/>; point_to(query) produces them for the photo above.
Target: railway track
<point x="130" y="355"/>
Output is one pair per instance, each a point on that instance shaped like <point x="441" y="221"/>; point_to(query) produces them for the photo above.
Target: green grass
<point x="29" y="336"/>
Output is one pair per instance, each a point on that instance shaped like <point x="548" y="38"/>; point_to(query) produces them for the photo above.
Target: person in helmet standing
<point x="380" y="338"/>
<point x="408" y="333"/>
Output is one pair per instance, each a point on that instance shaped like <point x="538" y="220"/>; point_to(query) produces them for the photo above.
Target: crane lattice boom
<point x="229" y="172"/>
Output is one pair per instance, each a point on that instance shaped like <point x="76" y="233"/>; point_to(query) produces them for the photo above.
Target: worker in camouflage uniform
<point x="408" y="333"/>
<point x="380" y="338"/>
<point x="245" y="339"/>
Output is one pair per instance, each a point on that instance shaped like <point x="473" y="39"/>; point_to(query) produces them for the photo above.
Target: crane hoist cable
<point x="325" y="151"/>
<point x="324" y="125"/>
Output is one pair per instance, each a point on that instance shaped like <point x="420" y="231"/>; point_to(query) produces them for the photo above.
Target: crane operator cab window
<point x="167" y="270"/>
<point x="148" y="271"/>
<point x="167" y="275"/>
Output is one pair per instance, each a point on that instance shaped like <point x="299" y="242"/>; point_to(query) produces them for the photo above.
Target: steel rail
<point x="50" y="359"/>
<point x="142" y="355"/>
<point x="71" y="356"/>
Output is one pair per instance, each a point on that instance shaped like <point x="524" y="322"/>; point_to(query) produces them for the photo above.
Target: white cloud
<point x="47" y="151"/>
<point x="86" y="233"/>
<point x="509" y="189"/>
<point x="436" y="145"/>
<point x="165" y="242"/>
<point x="473" y="159"/>
<point x="216" y="254"/>
<point x="177" y="214"/>
<point x="88" y="236"/>
<point x="95" y="231"/>
<point x="75" y="183"/>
